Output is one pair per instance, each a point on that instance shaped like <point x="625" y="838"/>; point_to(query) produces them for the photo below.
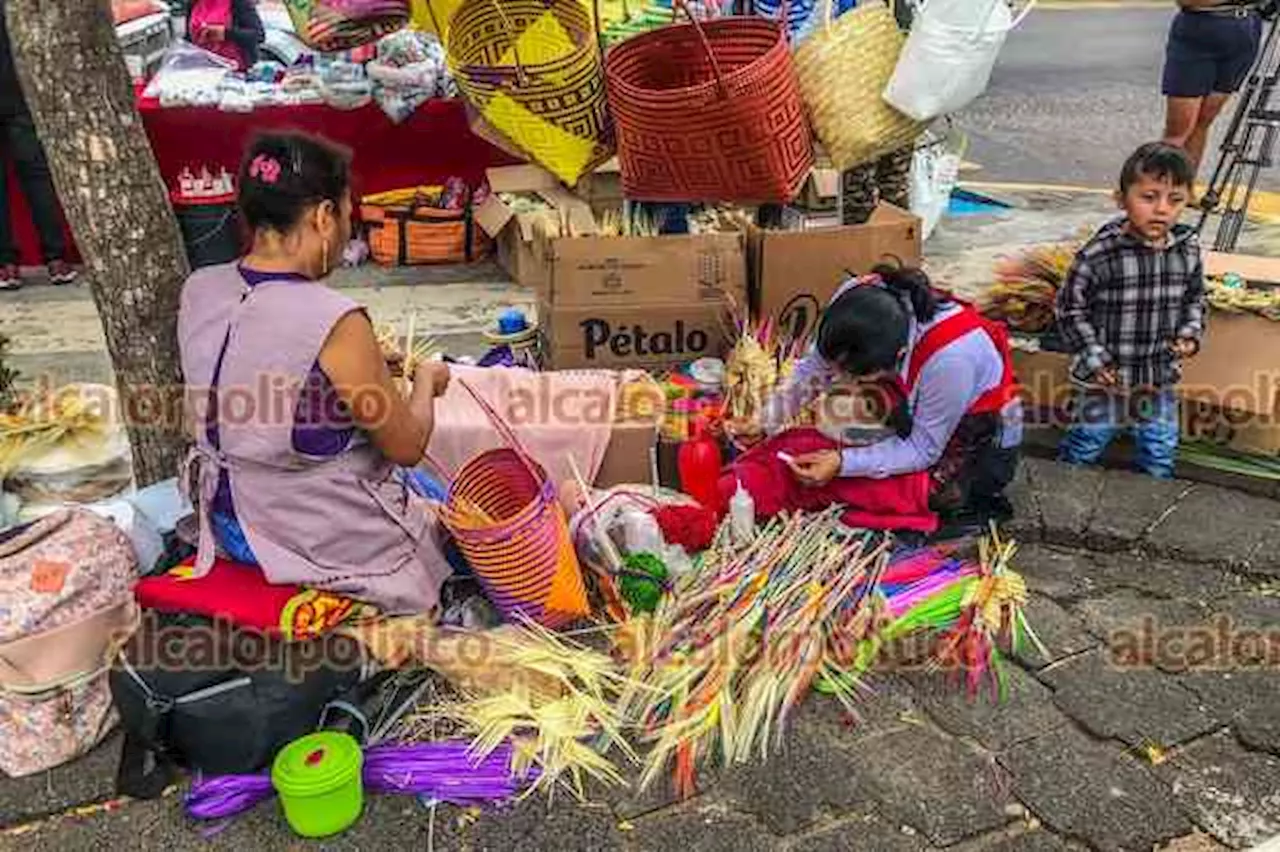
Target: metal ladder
<point x="1247" y="149"/>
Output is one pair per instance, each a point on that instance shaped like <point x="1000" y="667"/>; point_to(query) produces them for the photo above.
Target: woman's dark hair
<point x="866" y="327"/>
<point x="285" y="173"/>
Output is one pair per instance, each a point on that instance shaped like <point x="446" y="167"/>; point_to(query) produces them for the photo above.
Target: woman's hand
<point x="743" y="431"/>
<point x="432" y="374"/>
<point x="214" y="32"/>
<point x="816" y="469"/>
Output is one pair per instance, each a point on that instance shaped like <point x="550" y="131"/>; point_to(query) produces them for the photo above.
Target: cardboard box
<point x="795" y="273"/>
<point x="516" y="233"/>
<point x="649" y="336"/>
<point x="634" y="439"/>
<point x="821" y="192"/>
<point x="646" y="302"/>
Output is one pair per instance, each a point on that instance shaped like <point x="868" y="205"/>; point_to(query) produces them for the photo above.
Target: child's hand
<point x="1184" y="348"/>
<point x="816" y="469"/>
<point x="1107" y="377"/>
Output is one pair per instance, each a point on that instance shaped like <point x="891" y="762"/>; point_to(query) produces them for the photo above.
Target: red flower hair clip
<point x="265" y="169"/>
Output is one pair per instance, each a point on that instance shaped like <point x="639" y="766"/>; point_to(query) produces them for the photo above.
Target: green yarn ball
<point x="642" y="585"/>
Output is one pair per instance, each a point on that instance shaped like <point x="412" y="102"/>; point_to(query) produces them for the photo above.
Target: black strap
<point x="143" y="773"/>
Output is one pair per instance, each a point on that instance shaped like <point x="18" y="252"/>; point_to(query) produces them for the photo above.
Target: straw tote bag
<point x="843" y="68"/>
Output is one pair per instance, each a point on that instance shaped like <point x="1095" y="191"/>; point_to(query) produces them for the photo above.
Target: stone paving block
<point x="1245" y="699"/>
<point x="1195" y="582"/>
<point x="1135" y="627"/>
<point x="704" y="825"/>
<point x="933" y="783"/>
<point x="1058" y="572"/>
<point x="92" y="778"/>
<point x="860" y="833"/>
<point x="819" y="772"/>
<point x="1020" y="839"/>
<point x="1086" y="790"/>
<point x="1067" y="497"/>
<point x="1026" y="524"/>
<point x="1133" y="705"/>
<point x="1265" y="559"/>
<point x="1061" y="633"/>
<point x="1128" y="505"/>
<point x="1026" y="711"/>
<point x="1215" y="525"/>
<point x="1229" y="791"/>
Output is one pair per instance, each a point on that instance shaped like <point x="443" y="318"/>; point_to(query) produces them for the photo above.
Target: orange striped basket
<point x="404" y="228"/>
<point x="502" y="511"/>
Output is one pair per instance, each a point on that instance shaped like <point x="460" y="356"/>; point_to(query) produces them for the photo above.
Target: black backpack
<point x="206" y="695"/>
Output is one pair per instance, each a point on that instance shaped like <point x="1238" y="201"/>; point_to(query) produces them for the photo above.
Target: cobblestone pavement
<point x="1115" y="562"/>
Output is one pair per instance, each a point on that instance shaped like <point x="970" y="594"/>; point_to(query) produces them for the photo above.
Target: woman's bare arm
<point x="356" y="366"/>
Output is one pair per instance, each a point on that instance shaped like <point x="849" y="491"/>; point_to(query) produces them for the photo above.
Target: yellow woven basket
<point x="532" y="70"/>
<point x="843" y="68"/>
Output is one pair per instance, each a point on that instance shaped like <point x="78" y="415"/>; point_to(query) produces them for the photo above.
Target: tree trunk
<point x="81" y="99"/>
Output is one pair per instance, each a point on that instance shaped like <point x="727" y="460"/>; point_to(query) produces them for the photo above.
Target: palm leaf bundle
<point x="741" y="640"/>
<point x="43" y="422"/>
<point x="1026" y="286"/>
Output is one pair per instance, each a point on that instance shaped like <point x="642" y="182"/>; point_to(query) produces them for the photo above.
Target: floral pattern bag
<point x="66" y="603"/>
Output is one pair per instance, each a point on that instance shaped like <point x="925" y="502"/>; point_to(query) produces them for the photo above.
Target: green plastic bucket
<point x="318" y="780"/>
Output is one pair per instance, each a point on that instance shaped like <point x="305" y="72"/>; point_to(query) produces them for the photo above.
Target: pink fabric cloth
<point x="215" y="13"/>
<point x="554" y="416"/>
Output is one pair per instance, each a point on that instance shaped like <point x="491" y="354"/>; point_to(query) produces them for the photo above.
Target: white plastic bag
<point x="935" y="171"/>
<point x="188" y="76"/>
<point x="949" y="56"/>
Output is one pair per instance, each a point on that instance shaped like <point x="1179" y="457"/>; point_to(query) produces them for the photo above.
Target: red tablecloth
<point x="432" y="145"/>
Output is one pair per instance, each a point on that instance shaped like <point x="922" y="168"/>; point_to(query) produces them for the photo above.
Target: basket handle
<point x="511" y="34"/>
<point x="706" y="44"/>
<point x="500" y="425"/>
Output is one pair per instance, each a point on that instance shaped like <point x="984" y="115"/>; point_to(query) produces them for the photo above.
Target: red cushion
<point x="241" y="595"/>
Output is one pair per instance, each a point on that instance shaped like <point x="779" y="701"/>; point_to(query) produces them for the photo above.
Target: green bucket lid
<point x="316" y="764"/>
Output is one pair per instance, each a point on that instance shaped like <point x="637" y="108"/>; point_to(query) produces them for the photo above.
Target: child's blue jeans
<point x="1099" y="417"/>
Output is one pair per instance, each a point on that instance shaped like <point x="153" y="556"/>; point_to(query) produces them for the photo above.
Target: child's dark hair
<point x="866" y="327"/>
<point x="1160" y="161"/>
<point x="285" y="173"/>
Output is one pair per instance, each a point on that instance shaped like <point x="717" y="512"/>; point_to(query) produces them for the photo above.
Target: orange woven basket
<point x="411" y="232"/>
<point x="502" y="511"/>
<point x="709" y="111"/>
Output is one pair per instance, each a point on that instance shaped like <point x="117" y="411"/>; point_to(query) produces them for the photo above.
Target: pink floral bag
<point x="66" y="604"/>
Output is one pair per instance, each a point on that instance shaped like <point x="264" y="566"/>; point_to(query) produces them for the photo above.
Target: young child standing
<point x="1132" y="307"/>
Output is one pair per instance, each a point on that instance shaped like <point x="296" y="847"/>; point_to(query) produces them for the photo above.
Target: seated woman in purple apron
<point x="302" y="439"/>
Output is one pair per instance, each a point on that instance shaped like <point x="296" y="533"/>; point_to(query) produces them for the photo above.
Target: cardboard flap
<point x="1238" y="367"/>
<point x="1262" y="270"/>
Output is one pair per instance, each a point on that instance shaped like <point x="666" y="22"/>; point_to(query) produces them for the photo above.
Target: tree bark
<point x="81" y="99"/>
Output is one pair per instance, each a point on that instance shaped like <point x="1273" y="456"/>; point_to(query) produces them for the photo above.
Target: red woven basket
<point x="709" y="111"/>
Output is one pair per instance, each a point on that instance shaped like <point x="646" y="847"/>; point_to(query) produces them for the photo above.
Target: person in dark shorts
<point x="1212" y="46"/>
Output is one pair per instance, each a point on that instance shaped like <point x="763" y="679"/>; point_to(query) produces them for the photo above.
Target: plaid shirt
<point x="1124" y="302"/>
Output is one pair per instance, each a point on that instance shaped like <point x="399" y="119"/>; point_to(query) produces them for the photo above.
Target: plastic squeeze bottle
<point x="698" y="462"/>
<point x="742" y="516"/>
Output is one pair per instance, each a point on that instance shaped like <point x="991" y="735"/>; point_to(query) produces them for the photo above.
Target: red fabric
<point x="241" y="595"/>
<point x="432" y="145"/>
<point x="691" y="527"/>
<point x="215" y="13"/>
<point x="953" y="328"/>
<point x="896" y="503"/>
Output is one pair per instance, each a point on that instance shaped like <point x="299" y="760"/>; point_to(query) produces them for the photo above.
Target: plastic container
<point x="742" y="516"/>
<point x="210" y="231"/>
<point x="699" y="463"/>
<point x="319" y="783"/>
